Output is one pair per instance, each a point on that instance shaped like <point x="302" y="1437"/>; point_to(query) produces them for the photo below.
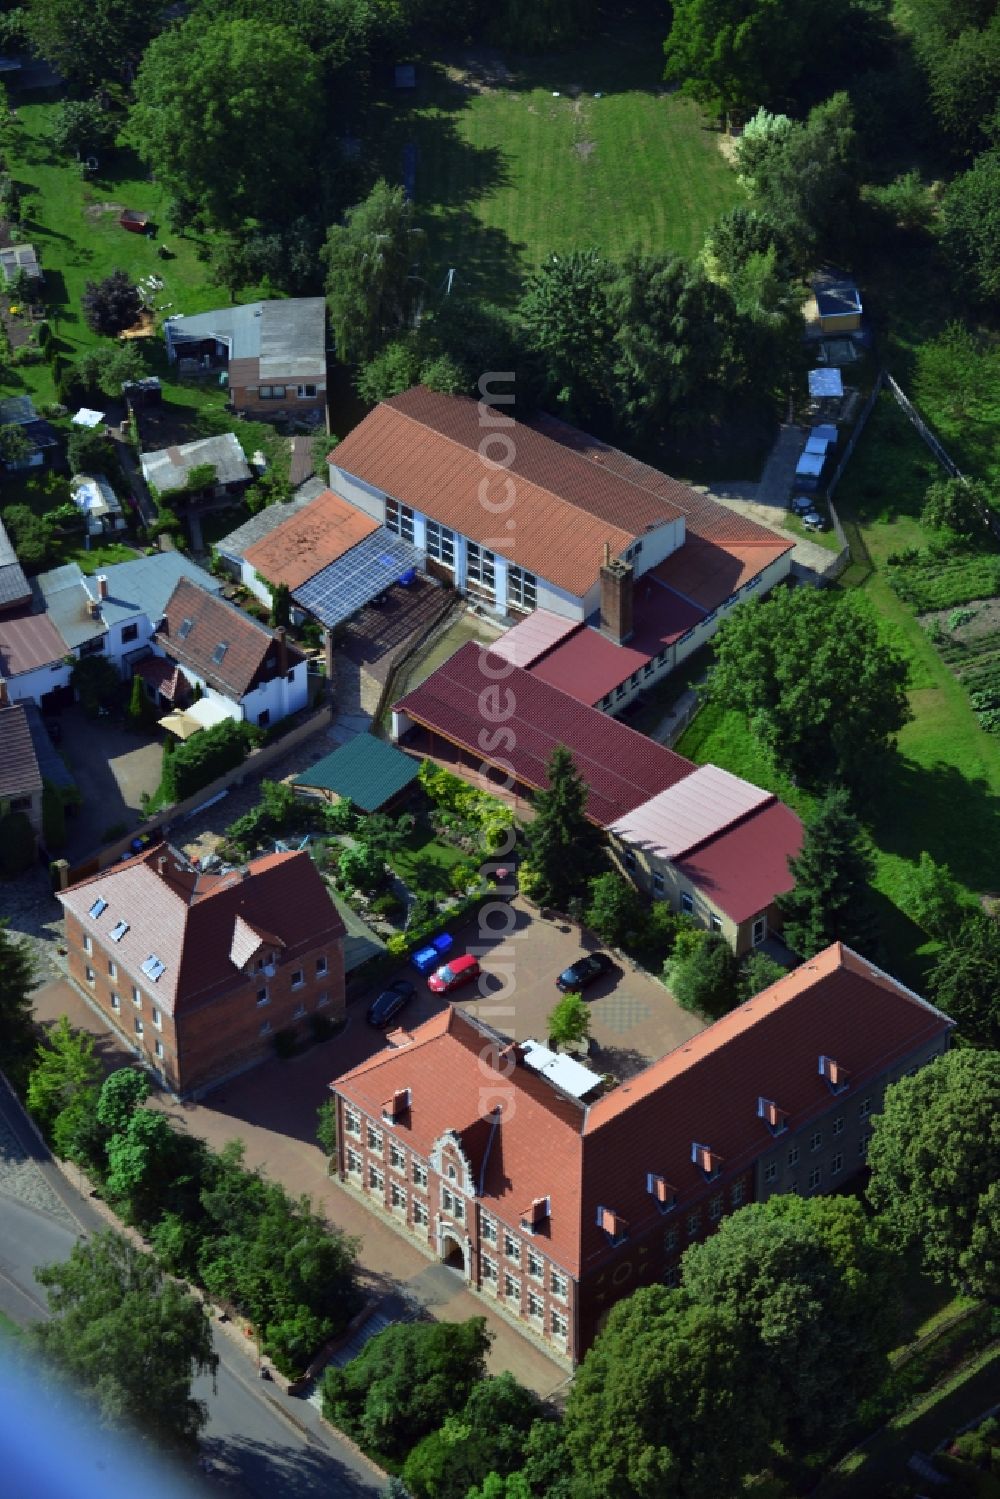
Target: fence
<point x="157" y="826"/>
<point x="905" y="404"/>
<point x="859" y="427"/>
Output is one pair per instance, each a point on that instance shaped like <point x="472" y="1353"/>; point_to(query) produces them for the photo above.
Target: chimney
<point x="535" y="1216"/>
<point x="282" y="643"/>
<point x="395" y="1107"/>
<point x="161" y="865"/>
<point x="617" y="579"/>
<point x="102" y="586"/>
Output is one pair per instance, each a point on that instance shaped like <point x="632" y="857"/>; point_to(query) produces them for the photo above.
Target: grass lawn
<point x="944" y="793"/>
<point x="519" y="159"/>
<point x="423" y="863"/>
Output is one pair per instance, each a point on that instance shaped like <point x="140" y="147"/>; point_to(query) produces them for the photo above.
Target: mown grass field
<point x="943" y="792"/>
<point x="505" y="172"/>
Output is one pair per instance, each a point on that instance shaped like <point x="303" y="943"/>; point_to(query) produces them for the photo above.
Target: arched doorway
<point x="452" y="1253"/>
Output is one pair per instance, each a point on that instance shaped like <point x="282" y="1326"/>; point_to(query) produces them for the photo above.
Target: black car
<point x="584" y="971"/>
<point x="388" y="1005"/>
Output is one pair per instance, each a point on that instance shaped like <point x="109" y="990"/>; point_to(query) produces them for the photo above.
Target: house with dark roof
<point x="198" y="972"/>
<point x="42" y="438"/>
<point x="537" y="515"/>
<point x="553" y="1203"/>
<point x="15" y="590"/>
<point x="20" y="772"/>
<point x="273" y="355"/>
<point x="244" y="670"/>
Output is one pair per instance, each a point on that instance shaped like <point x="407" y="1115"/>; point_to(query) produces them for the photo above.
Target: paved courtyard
<point x="112" y="766"/>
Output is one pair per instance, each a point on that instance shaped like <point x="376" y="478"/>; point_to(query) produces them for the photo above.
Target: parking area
<point x="112" y="767"/>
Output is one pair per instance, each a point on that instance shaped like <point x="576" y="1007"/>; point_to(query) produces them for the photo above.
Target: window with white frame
<point x="793" y="1156"/>
<point x="670" y="1240"/>
<point x="488" y="1228"/>
<point x="558" y="1284"/>
<point x="489" y="1268"/>
<point x="90" y="975"/>
<point x="837" y="1128"/>
<point x="265" y="1029"/>
<point x="159" y="1050"/>
<point x="771" y="1171"/>
<point x="263" y="997"/>
<point x="421" y="1217"/>
<point x="352" y="1123"/>
<point x="157" y="1019"/>
<point x="863" y="1145"/>
<point x="687" y="902"/>
<point x="446" y="1200"/>
<point x="630" y="860"/>
<point x="399" y="518"/>
<point x="112" y="969"/>
<point x="715" y="1208"/>
<point x="522" y="587"/>
<point x="322" y="998"/>
<point x="136" y="997"/>
<point x="116" y="1003"/>
<point x="299" y="1011"/>
<point x="452" y="1173"/>
<point x="397" y="1197"/>
<point x="458" y="1209"/>
<point x="658" y="883"/>
<point x="837" y="1164"/>
<point x="397" y="1159"/>
<point x="512" y="1248"/>
<point x="536" y="1265"/>
<point x="374" y="1139"/>
<point x="536" y="1307"/>
<point x="419" y="1174"/>
<point x="138" y="1025"/>
<point x="736" y="1194"/>
<point x="715" y="922"/>
<point x="88" y="945"/>
<point x="558" y="1324"/>
<point x="816" y="1140"/>
<point x="441" y="543"/>
<point x="512" y="1289"/>
<point x="693" y="1224"/>
<point x="298" y="978"/>
<point x="864" y="1108"/>
<point x="480" y="565"/>
<point x="321" y="966"/>
<point x="376" y="1181"/>
<point x="353" y="1162"/>
<point x="815" y="1177"/>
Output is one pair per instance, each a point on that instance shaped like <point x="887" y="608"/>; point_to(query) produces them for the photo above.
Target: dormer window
<point x="186" y="626"/>
<point x="118" y="931"/>
<point x="219" y="652"/>
<point x="98" y="908"/>
<point x="836" y="1076"/>
<point x="532" y="1218"/>
<point x="776" y="1119"/>
<point x="706" y="1159"/>
<point x="661" y="1191"/>
<point x="613" y="1224"/>
<point x="395" y="1107"/>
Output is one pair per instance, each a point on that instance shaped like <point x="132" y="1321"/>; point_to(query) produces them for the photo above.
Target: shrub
<point x="202" y="759"/>
<point x="111" y="305"/>
<point x="97" y="683"/>
<point x="704" y="977"/>
<point x="569" y="1022"/>
<point x="90" y="451"/>
<point x="386" y="904"/>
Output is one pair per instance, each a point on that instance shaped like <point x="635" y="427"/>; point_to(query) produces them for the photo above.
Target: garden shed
<point x="367" y="772"/>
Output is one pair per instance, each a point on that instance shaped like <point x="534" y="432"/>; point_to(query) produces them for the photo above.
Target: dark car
<point x="584" y="971"/>
<point x="388" y="1005"/>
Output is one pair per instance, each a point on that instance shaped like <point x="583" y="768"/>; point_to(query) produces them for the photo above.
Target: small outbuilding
<point x="367" y="772"/>
<point x="101" y="507"/>
<point x="838" y="303"/>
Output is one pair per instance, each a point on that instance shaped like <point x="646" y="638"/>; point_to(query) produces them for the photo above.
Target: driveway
<point x="112" y="766"/>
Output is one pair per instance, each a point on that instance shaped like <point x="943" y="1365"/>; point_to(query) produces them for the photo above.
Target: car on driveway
<point x="813" y="521"/>
<point x="389" y="1003"/>
<point x="801" y="504"/>
<point x="584" y="971"/>
<point x="453" y="975"/>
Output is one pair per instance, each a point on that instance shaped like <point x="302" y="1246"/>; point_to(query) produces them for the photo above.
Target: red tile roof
<point x="164" y="676"/>
<point x="19" y="772"/>
<point x="585" y="1157"/>
<point x="215" y="622"/>
<point x="588" y="665"/>
<point x="309" y="540"/>
<point x="28" y="641"/>
<point x="461" y="702"/>
<point x="708" y="573"/>
<point x="187" y="918"/>
<point x="743" y="869"/>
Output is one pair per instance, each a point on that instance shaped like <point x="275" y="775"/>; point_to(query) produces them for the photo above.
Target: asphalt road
<point x="258" y="1442"/>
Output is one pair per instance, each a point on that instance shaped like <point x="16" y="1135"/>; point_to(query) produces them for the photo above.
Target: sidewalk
<point x="272" y="1111"/>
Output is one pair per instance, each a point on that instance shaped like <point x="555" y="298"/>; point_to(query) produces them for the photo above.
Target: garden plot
<point x="968" y="640"/>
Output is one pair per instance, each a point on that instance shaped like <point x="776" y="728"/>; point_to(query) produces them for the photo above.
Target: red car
<point x="453" y="975"/>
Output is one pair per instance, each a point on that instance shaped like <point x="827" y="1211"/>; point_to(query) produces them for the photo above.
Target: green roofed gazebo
<point x="366" y="771"/>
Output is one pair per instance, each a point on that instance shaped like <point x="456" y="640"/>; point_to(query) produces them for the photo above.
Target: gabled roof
<point x="697" y="808"/>
<point x="14" y="586"/>
<point x="287" y="335"/>
<point x="168" y="468"/>
<point x="366" y="771"/>
<point x="28" y="641"/>
<point x="620" y="767"/>
<point x="745" y="867"/>
<point x="188" y="920"/>
<point x="217" y="641"/>
<point x="237" y="543"/>
<point x="707" y="572"/>
<point x="19" y="770"/>
<point x="533" y="637"/>
<point x="582" y="1157"/>
<point x="137" y="588"/>
<point x="309" y="540"/>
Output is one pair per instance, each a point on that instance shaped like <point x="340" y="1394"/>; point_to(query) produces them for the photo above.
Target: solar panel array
<point x="347" y="585"/>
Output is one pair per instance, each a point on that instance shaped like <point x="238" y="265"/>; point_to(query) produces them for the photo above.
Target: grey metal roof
<point x="263" y="523"/>
<point x="63" y="596"/>
<point x="352" y="581"/>
<point x="168" y="468"/>
<point x="17" y="410"/>
<point x="288" y="336"/>
<point x="14" y="586"/>
<point x="142" y="586"/>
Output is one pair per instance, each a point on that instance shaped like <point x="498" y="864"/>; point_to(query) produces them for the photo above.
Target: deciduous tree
<point x="108" y="368"/>
<point x="758" y="972"/>
<point x="227" y="114"/>
<point x="93" y="43"/>
<point x="932" y="897"/>
<point x="82" y="126"/>
<point x="568" y="324"/>
<point x="815" y="680"/>
<point x="615" y="910"/>
<point x="808" y="1280"/>
<point x="111" y="305"/>
<point x="371" y="284"/>
<point x="965" y="979"/>
<point x="18" y="975"/>
<point x="965" y="507"/>
<point x="65" y="1065"/>
<point x="971" y="227"/>
<point x="703" y="978"/>
<point x="127" y="1338"/>
<point x="935" y="1168"/>
<point x="569" y="1022"/>
<point x="830" y="901"/>
<point x="666" y="1404"/>
<point x="488" y="1435"/>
